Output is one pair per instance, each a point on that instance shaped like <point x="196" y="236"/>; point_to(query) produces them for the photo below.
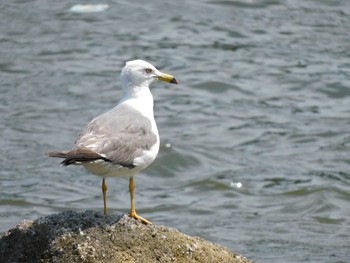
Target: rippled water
<point x="255" y="140"/>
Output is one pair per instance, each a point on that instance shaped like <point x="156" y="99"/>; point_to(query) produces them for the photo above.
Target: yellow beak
<point x="167" y="78"/>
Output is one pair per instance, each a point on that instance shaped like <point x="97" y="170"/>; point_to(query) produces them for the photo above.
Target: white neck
<point x="140" y="98"/>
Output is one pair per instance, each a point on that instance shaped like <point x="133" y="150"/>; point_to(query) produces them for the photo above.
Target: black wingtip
<point x="67" y="162"/>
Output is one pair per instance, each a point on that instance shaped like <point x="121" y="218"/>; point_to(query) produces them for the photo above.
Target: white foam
<point x="236" y="185"/>
<point x="88" y="8"/>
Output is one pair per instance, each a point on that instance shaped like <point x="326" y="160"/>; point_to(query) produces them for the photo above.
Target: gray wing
<point x="120" y="135"/>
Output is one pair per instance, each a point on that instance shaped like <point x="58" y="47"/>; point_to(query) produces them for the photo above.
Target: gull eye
<point x="149" y="70"/>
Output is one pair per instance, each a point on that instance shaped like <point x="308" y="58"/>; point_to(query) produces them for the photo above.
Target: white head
<point x="139" y="73"/>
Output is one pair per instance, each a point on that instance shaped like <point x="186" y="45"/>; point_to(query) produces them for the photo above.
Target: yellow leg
<point x="104" y="191"/>
<point x="132" y="209"/>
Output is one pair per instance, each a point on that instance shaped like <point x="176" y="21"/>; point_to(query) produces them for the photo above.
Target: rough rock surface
<point x="93" y="237"/>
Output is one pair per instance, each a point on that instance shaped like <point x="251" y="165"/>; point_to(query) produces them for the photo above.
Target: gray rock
<point x="94" y="237"/>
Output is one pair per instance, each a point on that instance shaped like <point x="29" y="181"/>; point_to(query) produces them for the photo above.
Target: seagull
<point x="124" y="140"/>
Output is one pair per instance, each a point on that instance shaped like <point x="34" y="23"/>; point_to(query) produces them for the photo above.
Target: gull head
<point x="139" y="73"/>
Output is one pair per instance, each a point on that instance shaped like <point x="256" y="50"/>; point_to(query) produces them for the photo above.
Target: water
<point x="254" y="142"/>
